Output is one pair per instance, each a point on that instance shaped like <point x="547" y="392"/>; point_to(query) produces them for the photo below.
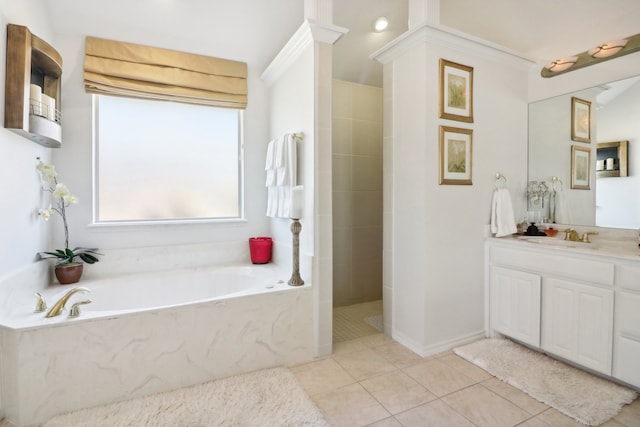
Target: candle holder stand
<point x="296" y="227"/>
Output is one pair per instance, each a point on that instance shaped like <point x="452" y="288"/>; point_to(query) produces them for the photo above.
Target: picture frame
<point x="580" y="167"/>
<point x="456" y="91"/>
<point x="456" y="156"/>
<point x="580" y="120"/>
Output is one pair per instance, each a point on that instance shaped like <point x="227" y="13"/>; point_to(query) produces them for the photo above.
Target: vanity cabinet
<point x="515" y="304"/>
<point x="574" y="305"/>
<point x="578" y="323"/>
<point x="626" y="362"/>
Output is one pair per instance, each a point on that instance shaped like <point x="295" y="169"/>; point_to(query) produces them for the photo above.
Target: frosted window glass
<point x="160" y="160"/>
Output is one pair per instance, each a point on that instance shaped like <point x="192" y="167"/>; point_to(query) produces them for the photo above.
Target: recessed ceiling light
<point x="380" y="24"/>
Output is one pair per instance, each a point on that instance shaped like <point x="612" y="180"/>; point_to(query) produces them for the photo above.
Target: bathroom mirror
<point x="608" y="201"/>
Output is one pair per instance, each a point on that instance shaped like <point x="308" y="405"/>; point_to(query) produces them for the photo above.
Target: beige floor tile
<point x="630" y="414"/>
<point x="516" y="396"/>
<point x="534" y="422"/>
<point x="397" y="354"/>
<point x="397" y="392"/>
<point x="343" y="347"/>
<point x="387" y="422"/>
<point x="557" y="419"/>
<point x="485" y="408"/>
<point x="364" y="364"/>
<point x="321" y="376"/>
<point x="467" y="368"/>
<point x="433" y="414"/>
<point x="438" y="377"/>
<point x="612" y="423"/>
<point x="374" y="340"/>
<point x="350" y="406"/>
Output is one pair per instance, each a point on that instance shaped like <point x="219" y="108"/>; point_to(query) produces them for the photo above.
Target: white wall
<point x="436" y="245"/>
<point x="618" y="199"/>
<point x="74" y="162"/>
<point x="23" y="232"/>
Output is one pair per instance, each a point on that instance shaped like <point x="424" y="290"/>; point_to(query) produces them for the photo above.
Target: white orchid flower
<point x="62" y="192"/>
<point x="47" y="172"/>
<point x="46" y="213"/>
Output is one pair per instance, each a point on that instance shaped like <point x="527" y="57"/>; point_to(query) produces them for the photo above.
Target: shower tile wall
<point x="357" y="193"/>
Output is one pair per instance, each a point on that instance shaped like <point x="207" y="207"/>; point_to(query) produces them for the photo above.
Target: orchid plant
<point x="62" y="199"/>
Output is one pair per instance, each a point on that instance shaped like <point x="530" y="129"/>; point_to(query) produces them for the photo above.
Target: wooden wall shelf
<point x="616" y="150"/>
<point x="31" y="60"/>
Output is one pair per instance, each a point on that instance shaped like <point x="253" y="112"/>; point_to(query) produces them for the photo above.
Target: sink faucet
<point x="58" y="307"/>
<point x="571" y="234"/>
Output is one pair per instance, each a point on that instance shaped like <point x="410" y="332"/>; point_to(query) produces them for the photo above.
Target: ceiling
<point x="255" y="30"/>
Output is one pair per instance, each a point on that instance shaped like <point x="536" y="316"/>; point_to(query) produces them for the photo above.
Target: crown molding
<point x="309" y="32"/>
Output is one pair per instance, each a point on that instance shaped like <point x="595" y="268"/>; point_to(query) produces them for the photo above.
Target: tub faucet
<point x="58" y="307"/>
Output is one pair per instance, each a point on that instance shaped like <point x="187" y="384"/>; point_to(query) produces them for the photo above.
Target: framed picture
<point x="456" y="155"/>
<point x="580" y="167"/>
<point x="456" y="91"/>
<point x="580" y="120"/>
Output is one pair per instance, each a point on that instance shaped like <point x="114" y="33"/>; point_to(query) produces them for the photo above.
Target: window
<point x="165" y="161"/>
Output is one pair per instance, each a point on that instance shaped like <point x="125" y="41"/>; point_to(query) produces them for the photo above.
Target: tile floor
<point x="375" y="381"/>
<point x="349" y="322"/>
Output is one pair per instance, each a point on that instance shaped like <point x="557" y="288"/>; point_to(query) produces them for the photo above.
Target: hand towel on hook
<point x="502" y="220"/>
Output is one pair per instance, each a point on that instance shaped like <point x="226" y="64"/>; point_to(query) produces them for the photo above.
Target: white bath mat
<point x="375" y="321"/>
<point x="270" y="397"/>
<point x="586" y="398"/>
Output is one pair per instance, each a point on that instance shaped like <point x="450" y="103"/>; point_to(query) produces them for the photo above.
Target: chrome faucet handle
<point x="75" y="308"/>
<point x="41" y="304"/>
<point x="585" y="236"/>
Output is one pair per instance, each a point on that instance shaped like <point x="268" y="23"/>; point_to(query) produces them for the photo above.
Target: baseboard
<point x="438" y="347"/>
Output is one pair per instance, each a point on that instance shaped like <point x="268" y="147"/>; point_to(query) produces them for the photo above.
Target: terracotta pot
<point x="69" y="273"/>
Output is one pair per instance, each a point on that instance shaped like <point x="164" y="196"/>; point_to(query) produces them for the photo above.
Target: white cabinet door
<point x="515" y="304"/>
<point x="577" y="323"/>
<point x="626" y="364"/>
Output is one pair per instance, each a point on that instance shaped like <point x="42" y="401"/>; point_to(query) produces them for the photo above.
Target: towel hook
<point x="500" y="178"/>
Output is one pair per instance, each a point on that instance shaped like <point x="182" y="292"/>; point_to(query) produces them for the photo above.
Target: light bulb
<point x="380" y="24"/>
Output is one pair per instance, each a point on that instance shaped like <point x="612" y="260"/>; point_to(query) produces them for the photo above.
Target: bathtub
<point x="146" y="333"/>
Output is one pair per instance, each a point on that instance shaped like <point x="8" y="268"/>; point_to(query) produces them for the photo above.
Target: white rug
<point x="375" y="321"/>
<point x="586" y="398"/>
<point x="270" y="397"/>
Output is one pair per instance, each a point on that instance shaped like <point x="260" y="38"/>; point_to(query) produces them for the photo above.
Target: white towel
<point x="562" y="213"/>
<point x="269" y="165"/>
<point x="502" y="219"/>
<point x="281" y="167"/>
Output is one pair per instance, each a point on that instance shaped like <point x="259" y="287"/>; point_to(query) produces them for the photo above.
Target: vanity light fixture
<point x="602" y="52"/>
<point x="561" y="64"/>
<point x="380" y="24"/>
<point x="605" y="50"/>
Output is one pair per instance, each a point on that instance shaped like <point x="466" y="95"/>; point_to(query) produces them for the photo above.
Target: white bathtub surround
<point x="269" y="397"/>
<point x="57" y="366"/>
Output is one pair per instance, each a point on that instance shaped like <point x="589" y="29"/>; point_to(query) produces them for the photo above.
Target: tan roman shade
<point x="136" y="71"/>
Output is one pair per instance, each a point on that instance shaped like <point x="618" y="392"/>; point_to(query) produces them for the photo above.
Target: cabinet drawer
<point x="628" y="276"/>
<point x="562" y="265"/>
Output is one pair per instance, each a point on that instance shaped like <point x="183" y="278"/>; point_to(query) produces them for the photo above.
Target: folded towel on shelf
<point x="502" y="220"/>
